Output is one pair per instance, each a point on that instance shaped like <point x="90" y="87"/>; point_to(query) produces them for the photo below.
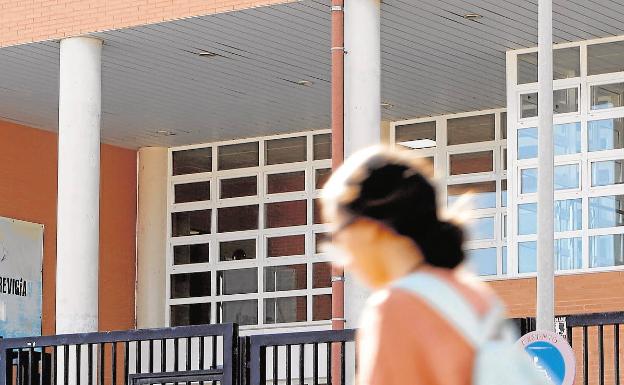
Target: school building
<point x="174" y="150"/>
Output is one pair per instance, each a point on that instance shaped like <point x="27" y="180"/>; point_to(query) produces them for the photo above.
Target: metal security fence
<point x="215" y="354"/>
<point x="314" y="358"/>
<point x="207" y="353"/>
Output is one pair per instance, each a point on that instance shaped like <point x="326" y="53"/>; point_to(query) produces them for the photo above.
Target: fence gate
<point x="207" y="354"/>
<point x="311" y="358"/>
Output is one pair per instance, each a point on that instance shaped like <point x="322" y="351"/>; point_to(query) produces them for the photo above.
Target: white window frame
<point x="585" y="158"/>
<point x="261" y="234"/>
<point x="441" y="155"/>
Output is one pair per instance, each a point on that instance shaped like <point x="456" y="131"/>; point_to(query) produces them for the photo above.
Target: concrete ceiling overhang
<point x="248" y="83"/>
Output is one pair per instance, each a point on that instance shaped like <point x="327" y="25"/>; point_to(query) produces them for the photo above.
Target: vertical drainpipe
<point x="337" y="128"/>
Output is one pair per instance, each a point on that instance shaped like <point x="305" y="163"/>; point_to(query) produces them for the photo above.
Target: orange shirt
<point x="404" y="341"/>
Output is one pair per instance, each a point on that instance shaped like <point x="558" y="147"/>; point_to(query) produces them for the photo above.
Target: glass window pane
<point x="606" y="134"/>
<point x="321" y="275"/>
<point x="239" y="187"/>
<point x="480" y="228"/>
<point x="416" y="135"/>
<point x="605" y="58"/>
<point x="567" y="177"/>
<point x="473" y="162"/>
<point x="565" y="100"/>
<point x="322" y="146"/>
<point x="241" y="312"/>
<point x="321" y="177"/>
<point x="283" y="310"/>
<point x="286" y="182"/>
<point x="607" y="96"/>
<point x="567" y="138"/>
<point x="503" y="125"/>
<point x="321" y="307"/>
<point x="527" y="143"/>
<point x="566" y="64"/>
<point x="317" y="212"/>
<point x="528" y="181"/>
<point x="191" y="192"/>
<point x="568" y="215"/>
<point x="527" y="68"/>
<point x="281" y="278"/>
<point x="606" y="250"/>
<point x="284" y="214"/>
<point x="187" y="223"/>
<point x="193" y="314"/>
<point x="242" y="155"/>
<point x="471" y="129"/>
<point x="286" y="246"/>
<point x="527" y="218"/>
<point x="186" y="254"/>
<point x="482" y="194"/>
<point x="319" y="242"/>
<point x="286" y="150"/>
<point x="527" y="257"/>
<point x="528" y="105"/>
<point x="237" y="281"/>
<point x="190" y="285"/>
<point x="192" y="161"/>
<point x="504" y="192"/>
<point x="607" y="211"/>
<point x="504" y="261"/>
<point x="483" y="261"/>
<point x="504" y="159"/>
<point x="237" y="250"/>
<point x="237" y="218"/>
<point x="607" y="172"/>
<point x="568" y="253"/>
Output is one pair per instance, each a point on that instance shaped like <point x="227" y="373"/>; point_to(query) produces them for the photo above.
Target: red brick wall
<point x="574" y="294"/>
<point x="36" y="20"/>
<point x="28" y="192"/>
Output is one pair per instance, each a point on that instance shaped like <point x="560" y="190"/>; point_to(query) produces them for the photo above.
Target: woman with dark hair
<point x="388" y="231"/>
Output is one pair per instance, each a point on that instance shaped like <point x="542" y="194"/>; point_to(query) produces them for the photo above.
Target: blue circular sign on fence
<point x="552" y="355"/>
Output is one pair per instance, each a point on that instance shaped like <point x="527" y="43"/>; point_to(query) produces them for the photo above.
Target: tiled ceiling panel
<point x="248" y="81"/>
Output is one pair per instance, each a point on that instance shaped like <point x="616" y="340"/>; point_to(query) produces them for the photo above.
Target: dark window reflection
<point x="193" y="314"/>
<point x="187" y="223"/>
<point x="186" y="254"/>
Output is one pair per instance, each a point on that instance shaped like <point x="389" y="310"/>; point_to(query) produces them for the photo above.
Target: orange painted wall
<point x="574" y="294"/>
<point x="28" y="160"/>
<point x="36" y="20"/>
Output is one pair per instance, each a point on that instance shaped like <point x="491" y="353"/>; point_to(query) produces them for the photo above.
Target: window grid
<point x="309" y="258"/>
<point x="584" y="159"/>
<point x="441" y="154"/>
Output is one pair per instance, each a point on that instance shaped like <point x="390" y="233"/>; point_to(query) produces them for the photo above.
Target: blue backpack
<point x="498" y="361"/>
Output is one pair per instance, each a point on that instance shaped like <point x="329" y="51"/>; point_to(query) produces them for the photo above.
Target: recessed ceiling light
<point x="305" y="83"/>
<point x="387" y="106"/>
<point x="207" y="54"/>
<point x="165" y="132"/>
<point x="472" y="16"/>
<point x="420" y="143"/>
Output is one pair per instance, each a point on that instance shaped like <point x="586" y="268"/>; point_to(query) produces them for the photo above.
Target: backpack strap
<point x="453" y="306"/>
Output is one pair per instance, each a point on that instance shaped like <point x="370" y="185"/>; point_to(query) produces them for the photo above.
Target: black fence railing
<point x="281" y="358"/>
<point x="214" y="354"/>
<point x="207" y="353"/>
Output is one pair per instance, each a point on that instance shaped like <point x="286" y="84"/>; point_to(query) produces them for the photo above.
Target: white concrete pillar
<point x="78" y="227"/>
<point x="362" y="107"/>
<point x="362" y="74"/>
<point x="545" y="160"/>
<point x="151" y="238"/>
